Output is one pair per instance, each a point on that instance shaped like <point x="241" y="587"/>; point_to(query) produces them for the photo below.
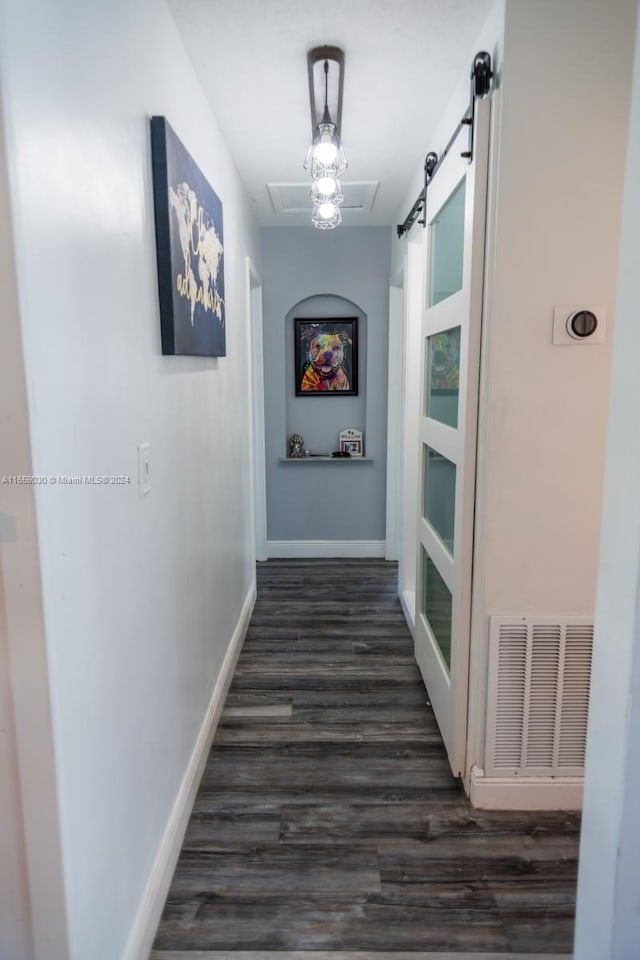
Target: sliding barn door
<point x="451" y="327"/>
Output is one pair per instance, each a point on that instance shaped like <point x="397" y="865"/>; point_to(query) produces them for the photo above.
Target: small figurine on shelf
<point x="296" y="446"/>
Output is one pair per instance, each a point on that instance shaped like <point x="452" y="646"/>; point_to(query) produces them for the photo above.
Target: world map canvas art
<point x="190" y="249"/>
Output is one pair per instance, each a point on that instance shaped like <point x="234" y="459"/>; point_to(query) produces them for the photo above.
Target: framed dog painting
<point x="326" y="353"/>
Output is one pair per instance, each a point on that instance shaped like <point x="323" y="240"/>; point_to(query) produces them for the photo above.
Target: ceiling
<point x="402" y="60"/>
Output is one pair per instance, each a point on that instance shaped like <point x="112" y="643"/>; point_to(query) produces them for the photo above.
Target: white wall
<point x="141" y="596"/>
<point x="608" y="910"/>
<point x="553" y="240"/>
<point x="395" y="419"/>
<point x="411" y="404"/>
<point x="32" y="907"/>
<point x="351" y="263"/>
<point x="556" y="242"/>
<point x="15" y="927"/>
<point x="558" y="138"/>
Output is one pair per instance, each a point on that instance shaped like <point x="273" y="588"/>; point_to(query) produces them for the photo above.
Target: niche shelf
<point x="326" y="459"/>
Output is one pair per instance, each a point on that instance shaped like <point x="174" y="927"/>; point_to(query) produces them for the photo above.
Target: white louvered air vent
<point x="538" y="696"/>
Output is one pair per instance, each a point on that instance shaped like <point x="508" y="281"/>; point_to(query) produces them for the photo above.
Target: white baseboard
<point x="341" y="955"/>
<point x="525" y="793"/>
<point x="325" y="549"/>
<point x="408" y="602"/>
<point x="155" y="894"/>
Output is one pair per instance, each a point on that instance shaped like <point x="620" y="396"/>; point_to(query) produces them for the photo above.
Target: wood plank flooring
<point x="328" y="825"/>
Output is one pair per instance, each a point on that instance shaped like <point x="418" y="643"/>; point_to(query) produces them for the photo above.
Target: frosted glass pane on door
<point x="443" y="376"/>
<point x="437" y="606"/>
<point x="439" y="495"/>
<point x="447" y="248"/>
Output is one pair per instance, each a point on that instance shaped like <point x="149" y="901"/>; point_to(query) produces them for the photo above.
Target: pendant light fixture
<point x="326" y="190"/>
<point x="326" y="215"/>
<point x="326" y="159"/>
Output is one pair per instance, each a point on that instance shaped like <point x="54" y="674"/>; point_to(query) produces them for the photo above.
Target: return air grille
<point x="538" y="696"/>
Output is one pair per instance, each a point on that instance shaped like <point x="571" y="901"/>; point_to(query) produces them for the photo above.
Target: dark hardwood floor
<point x="328" y="825"/>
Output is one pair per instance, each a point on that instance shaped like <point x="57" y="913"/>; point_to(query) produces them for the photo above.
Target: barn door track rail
<point x="481" y="76"/>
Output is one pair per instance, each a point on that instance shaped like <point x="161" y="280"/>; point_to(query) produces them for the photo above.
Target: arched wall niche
<point x="319" y="419"/>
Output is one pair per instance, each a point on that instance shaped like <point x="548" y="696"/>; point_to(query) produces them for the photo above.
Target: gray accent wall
<point x="313" y="273"/>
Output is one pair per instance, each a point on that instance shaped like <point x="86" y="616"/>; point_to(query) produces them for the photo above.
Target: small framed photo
<point x="351" y="442"/>
<point x="326" y="357"/>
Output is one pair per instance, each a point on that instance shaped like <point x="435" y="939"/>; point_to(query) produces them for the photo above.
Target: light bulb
<point x="327" y="185"/>
<point x="326" y="215"/>
<point x="325" y="157"/>
<point x="326" y="211"/>
<point x="326" y="153"/>
<point x="326" y="189"/>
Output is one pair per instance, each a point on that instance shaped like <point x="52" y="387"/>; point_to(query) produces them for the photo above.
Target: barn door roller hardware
<point x="481" y="75"/>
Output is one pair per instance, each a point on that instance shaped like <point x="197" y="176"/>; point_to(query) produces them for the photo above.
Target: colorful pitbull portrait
<point x="325" y="357"/>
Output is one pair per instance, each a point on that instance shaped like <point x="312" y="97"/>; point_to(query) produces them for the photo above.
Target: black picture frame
<point x="189" y="250"/>
<point x="332" y="372"/>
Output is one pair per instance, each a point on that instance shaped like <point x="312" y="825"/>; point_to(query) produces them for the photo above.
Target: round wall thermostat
<point x="582" y="324"/>
<point x="579" y="324"/>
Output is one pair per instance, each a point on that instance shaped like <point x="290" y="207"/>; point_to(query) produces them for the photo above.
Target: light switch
<point x="144" y="468"/>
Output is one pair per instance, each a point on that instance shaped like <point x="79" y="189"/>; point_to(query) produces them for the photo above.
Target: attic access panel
<point x="294" y="197"/>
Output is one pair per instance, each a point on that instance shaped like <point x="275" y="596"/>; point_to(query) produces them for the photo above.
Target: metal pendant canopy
<point x="331" y="82"/>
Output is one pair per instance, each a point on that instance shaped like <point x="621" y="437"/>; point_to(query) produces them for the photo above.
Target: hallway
<point x="327" y="819"/>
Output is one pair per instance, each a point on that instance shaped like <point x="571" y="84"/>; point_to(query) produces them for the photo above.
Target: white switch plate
<point x="144" y="468"/>
<point x="561" y="336"/>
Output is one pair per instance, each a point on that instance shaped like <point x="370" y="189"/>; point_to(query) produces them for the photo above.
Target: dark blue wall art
<point x="190" y="250"/>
